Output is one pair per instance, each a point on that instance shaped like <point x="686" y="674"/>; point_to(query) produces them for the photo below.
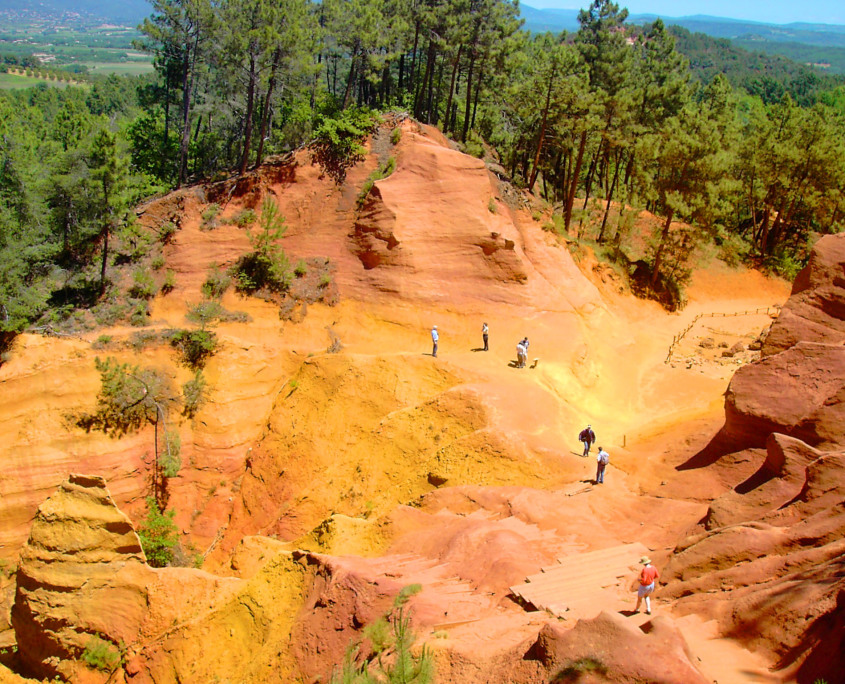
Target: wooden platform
<point x="578" y="585"/>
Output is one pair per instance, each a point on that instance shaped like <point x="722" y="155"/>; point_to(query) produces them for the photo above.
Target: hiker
<point x="484" y="331"/>
<point x="520" y="355"/>
<point x="434" y="337"/>
<point x="648" y="579"/>
<point x="601" y="464"/>
<point x="587" y="436"/>
<point x="525" y="344"/>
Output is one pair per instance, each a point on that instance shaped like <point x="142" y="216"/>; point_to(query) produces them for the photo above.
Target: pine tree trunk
<point x="542" y="137"/>
<point x="655" y="273"/>
<point x="573" y="181"/>
<point x="609" y="198"/>
<point x="478" y="81"/>
<point x="469" y="97"/>
<point x="349" y="80"/>
<point x="250" y="111"/>
<point x="265" y="113"/>
<point x="455" y="65"/>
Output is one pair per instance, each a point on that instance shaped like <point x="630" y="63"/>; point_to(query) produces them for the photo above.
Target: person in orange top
<point x="648" y="578"/>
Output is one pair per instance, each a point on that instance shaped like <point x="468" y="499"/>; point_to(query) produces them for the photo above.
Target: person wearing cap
<point x="601" y="463"/>
<point x="587" y="436"/>
<point x="434" y="337"/>
<point x="648" y="579"/>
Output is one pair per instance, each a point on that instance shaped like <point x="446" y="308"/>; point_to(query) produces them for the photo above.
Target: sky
<point x="768" y="11"/>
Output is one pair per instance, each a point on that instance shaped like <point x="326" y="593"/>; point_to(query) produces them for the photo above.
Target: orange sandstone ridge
<point x="317" y="485"/>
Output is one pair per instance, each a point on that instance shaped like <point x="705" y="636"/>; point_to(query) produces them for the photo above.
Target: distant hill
<point x="821" y="45"/>
<point x="123" y="11"/>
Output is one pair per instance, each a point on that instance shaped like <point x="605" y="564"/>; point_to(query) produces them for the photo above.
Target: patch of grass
<point x="491" y="206"/>
<point x="210" y="217"/>
<point x="139" y="313"/>
<point x="143" y="339"/>
<point x="169" y="282"/>
<point x="157" y="262"/>
<point x="573" y="671"/>
<point x="101" y="655"/>
<point x="216" y="283"/>
<point x="110" y="312"/>
<point x="102" y="342"/>
<point x="166" y="231"/>
<point x="245" y="218"/>
<point x="143" y="285"/>
<point x="396" y="135"/>
<point x="557" y="225"/>
<point x="381" y="172"/>
<point x="300" y="269"/>
<point x="325" y="280"/>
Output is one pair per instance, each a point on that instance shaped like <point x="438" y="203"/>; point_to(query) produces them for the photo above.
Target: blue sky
<point x="768" y="11"/>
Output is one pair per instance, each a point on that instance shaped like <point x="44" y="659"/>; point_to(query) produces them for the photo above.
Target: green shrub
<point x="170" y="460"/>
<point x="245" y="218"/>
<point x="169" y="282"/>
<point x="143" y="285"/>
<point x="267" y="266"/>
<point x="157" y="262"/>
<point x="205" y="313"/>
<point x="142" y="339"/>
<point x="101" y="655"/>
<point x="139" y="314"/>
<point x="102" y="341"/>
<point x="194" y="394"/>
<point x="491" y="206"/>
<point x="325" y="280"/>
<point x="209" y="217"/>
<point x="301" y="268"/>
<point x="195" y="346"/>
<point x="337" y="144"/>
<point x="216" y="284"/>
<point x="129" y="397"/>
<point x="158" y="535"/>
<point x="396" y="135"/>
<point x="108" y="313"/>
<point x="166" y="231"/>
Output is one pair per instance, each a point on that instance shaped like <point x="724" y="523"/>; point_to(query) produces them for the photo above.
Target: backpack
<point x="603" y="459"/>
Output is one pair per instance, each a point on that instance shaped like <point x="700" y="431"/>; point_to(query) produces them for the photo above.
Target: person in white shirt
<point x="601" y="464"/>
<point x="434" y="338"/>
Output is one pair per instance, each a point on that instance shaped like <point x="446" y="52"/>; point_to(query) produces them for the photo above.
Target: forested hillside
<point x="608" y="114"/>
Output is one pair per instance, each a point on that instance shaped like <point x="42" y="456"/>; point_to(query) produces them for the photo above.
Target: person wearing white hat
<point x="648" y="579"/>
<point x="434" y="338"/>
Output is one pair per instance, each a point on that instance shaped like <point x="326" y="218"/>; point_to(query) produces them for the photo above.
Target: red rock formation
<point x="798" y="388"/>
<point x="771" y="567"/>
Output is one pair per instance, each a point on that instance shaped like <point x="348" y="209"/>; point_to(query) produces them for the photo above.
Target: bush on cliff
<point x="158" y="534"/>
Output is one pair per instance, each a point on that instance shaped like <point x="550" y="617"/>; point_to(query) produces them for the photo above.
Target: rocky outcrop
<point x="770" y="566"/>
<point x="815" y="311"/>
<point x="85" y="596"/>
<point x="798" y="388"/>
<point x="609" y="649"/>
<point x="67" y="593"/>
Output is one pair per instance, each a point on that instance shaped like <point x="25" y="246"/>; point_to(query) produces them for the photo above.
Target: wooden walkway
<point x="580" y="585"/>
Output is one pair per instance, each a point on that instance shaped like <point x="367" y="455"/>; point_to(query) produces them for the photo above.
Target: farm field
<point x="13" y="82"/>
<point x="131" y="68"/>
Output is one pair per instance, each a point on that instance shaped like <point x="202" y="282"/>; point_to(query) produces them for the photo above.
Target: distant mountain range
<point x="114" y="11"/>
<point x="820" y="35"/>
